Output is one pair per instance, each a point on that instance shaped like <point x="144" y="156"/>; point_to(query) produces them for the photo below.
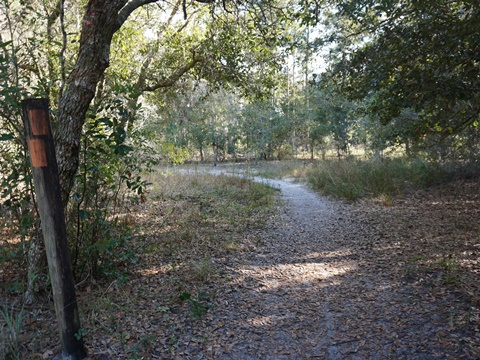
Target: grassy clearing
<point x="203" y="213"/>
<point x="382" y="179"/>
<point x="215" y="199"/>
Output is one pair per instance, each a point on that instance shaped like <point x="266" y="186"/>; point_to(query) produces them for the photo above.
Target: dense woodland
<point x="134" y="84"/>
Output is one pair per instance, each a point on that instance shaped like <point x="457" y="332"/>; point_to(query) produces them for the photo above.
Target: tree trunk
<point x="100" y="22"/>
<point x="215" y="154"/>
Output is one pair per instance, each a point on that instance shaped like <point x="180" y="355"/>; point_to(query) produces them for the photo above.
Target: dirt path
<point x="323" y="285"/>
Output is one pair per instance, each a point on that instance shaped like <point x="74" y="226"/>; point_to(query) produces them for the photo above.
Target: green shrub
<point x="110" y="178"/>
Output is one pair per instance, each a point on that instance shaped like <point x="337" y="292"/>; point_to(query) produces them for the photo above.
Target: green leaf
<point x="6" y="137"/>
<point x="185" y="296"/>
<point x="123" y="149"/>
<point x="5" y="44"/>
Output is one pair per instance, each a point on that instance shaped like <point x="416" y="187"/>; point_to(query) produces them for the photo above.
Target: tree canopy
<point x="416" y="57"/>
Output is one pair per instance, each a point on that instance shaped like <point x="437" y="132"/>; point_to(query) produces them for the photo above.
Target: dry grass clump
<point x="194" y="216"/>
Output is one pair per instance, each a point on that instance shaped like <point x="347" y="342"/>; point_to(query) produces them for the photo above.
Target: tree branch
<point x="53" y="17"/>
<point x="172" y="79"/>
<point x="130" y="7"/>
<point x="63" y="49"/>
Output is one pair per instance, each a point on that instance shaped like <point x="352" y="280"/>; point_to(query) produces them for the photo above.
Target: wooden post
<point x="47" y="188"/>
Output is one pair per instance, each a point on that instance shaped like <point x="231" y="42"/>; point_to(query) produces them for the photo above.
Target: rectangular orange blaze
<point x="37" y="153"/>
<point x="39" y="122"/>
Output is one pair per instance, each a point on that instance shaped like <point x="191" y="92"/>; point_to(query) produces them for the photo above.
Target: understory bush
<point x="109" y="181"/>
<point x="17" y="203"/>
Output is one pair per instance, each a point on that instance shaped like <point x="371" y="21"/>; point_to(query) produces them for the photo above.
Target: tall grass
<point x="285" y="168"/>
<point x="355" y="179"/>
<point x="11" y="320"/>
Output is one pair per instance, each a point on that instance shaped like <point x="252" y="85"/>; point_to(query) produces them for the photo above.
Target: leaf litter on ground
<point x="221" y="277"/>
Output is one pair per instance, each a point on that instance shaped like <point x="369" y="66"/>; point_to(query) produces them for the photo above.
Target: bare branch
<point x="64" y="47"/>
<point x="130" y="7"/>
<point x="172" y="79"/>
<point x="172" y="14"/>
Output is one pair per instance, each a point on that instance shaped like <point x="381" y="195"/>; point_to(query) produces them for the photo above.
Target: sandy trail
<point x="322" y="285"/>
